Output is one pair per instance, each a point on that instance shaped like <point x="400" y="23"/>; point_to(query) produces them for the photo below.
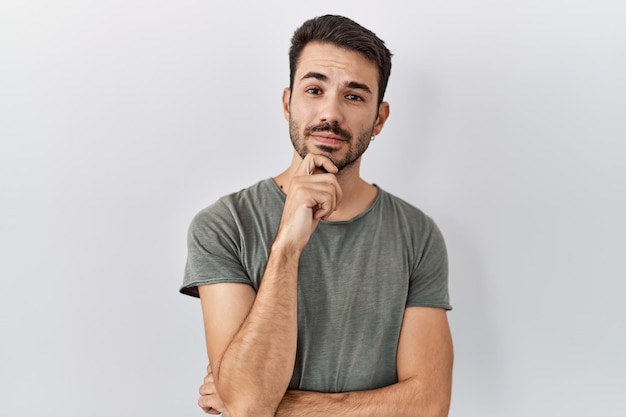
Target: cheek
<point x="302" y="114"/>
<point x="367" y="122"/>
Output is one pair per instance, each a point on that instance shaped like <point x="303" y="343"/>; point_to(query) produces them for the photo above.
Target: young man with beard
<point x="322" y="294"/>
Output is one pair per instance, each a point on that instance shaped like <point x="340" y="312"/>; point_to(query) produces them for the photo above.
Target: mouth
<point x="329" y="135"/>
<point x="328" y="138"/>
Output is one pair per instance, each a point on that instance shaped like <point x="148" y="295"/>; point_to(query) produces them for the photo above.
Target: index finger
<point x="315" y="164"/>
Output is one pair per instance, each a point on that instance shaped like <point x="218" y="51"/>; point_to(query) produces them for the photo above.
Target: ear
<point x="286" y="100"/>
<point x="383" y="114"/>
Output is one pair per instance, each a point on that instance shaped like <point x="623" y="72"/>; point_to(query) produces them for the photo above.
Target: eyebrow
<point x="359" y="86"/>
<point x="316" y="75"/>
<point x="352" y="84"/>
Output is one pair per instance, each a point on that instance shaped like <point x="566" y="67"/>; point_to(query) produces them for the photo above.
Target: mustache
<point x="327" y="127"/>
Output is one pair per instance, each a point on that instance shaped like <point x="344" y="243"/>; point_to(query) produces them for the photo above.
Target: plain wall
<point x="119" y="120"/>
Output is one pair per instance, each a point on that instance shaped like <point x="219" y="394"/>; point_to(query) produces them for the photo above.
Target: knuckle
<point x="201" y="404"/>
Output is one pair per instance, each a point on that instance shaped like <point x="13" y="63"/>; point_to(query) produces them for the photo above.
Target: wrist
<point x="285" y="250"/>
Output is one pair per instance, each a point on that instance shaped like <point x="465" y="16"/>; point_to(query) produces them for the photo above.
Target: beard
<point x="355" y="150"/>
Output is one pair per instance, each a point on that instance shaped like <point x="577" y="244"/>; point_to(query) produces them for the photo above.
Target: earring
<point x="372" y="138"/>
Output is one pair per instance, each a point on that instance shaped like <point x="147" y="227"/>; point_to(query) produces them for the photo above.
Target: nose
<point x="331" y="111"/>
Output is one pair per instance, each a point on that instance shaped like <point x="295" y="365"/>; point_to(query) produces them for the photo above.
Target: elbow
<point x="248" y="409"/>
<point x="431" y="410"/>
<point x="243" y="397"/>
<point x="428" y="401"/>
<point x="245" y="404"/>
<point x="441" y="411"/>
<point x="250" y="394"/>
<point x="437" y="408"/>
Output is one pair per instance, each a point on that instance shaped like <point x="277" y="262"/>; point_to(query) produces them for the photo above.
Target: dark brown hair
<point x="344" y="33"/>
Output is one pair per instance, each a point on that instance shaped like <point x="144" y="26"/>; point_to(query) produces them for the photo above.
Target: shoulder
<point x="245" y="212"/>
<point x="404" y="211"/>
<point x="237" y="202"/>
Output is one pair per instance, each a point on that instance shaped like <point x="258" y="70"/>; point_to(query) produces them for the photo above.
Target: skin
<point x="337" y="109"/>
<point x="332" y="112"/>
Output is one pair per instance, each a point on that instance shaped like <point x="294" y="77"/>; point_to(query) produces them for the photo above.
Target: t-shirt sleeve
<point x="428" y="284"/>
<point x="213" y="250"/>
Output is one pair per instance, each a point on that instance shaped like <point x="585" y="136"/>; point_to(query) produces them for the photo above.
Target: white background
<point x="120" y="119"/>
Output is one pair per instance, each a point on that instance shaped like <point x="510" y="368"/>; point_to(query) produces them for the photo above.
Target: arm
<point x="251" y="341"/>
<point x="424" y="377"/>
<point x="251" y="338"/>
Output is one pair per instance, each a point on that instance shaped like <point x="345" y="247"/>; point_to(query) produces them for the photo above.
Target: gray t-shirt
<point x="355" y="279"/>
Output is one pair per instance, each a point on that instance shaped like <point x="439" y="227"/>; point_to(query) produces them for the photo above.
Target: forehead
<point x="338" y="64"/>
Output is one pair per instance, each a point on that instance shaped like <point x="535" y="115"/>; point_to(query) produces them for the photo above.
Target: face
<point x="333" y="108"/>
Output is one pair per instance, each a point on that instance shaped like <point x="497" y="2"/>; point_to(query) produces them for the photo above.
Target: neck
<point x="357" y="194"/>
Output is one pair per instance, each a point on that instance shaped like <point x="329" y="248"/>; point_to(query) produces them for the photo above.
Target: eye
<point x="354" y="97"/>
<point x="313" y="91"/>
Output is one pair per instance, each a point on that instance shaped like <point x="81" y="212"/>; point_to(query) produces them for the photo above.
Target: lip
<point x="328" y="139"/>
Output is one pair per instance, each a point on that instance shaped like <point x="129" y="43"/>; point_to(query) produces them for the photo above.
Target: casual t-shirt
<point x="355" y="279"/>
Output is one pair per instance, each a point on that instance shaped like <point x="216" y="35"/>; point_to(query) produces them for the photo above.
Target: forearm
<point x="406" y="398"/>
<point x="255" y="369"/>
<point x="256" y="358"/>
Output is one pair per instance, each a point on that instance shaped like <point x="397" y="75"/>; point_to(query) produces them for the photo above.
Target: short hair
<point x="344" y="33"/>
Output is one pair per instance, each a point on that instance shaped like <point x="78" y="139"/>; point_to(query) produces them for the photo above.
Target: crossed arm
<point x="424" y="365"/>
<point x="252" y="347"/>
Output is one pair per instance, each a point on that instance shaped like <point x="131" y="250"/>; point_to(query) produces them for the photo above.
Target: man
<point x="323" y="294"/>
